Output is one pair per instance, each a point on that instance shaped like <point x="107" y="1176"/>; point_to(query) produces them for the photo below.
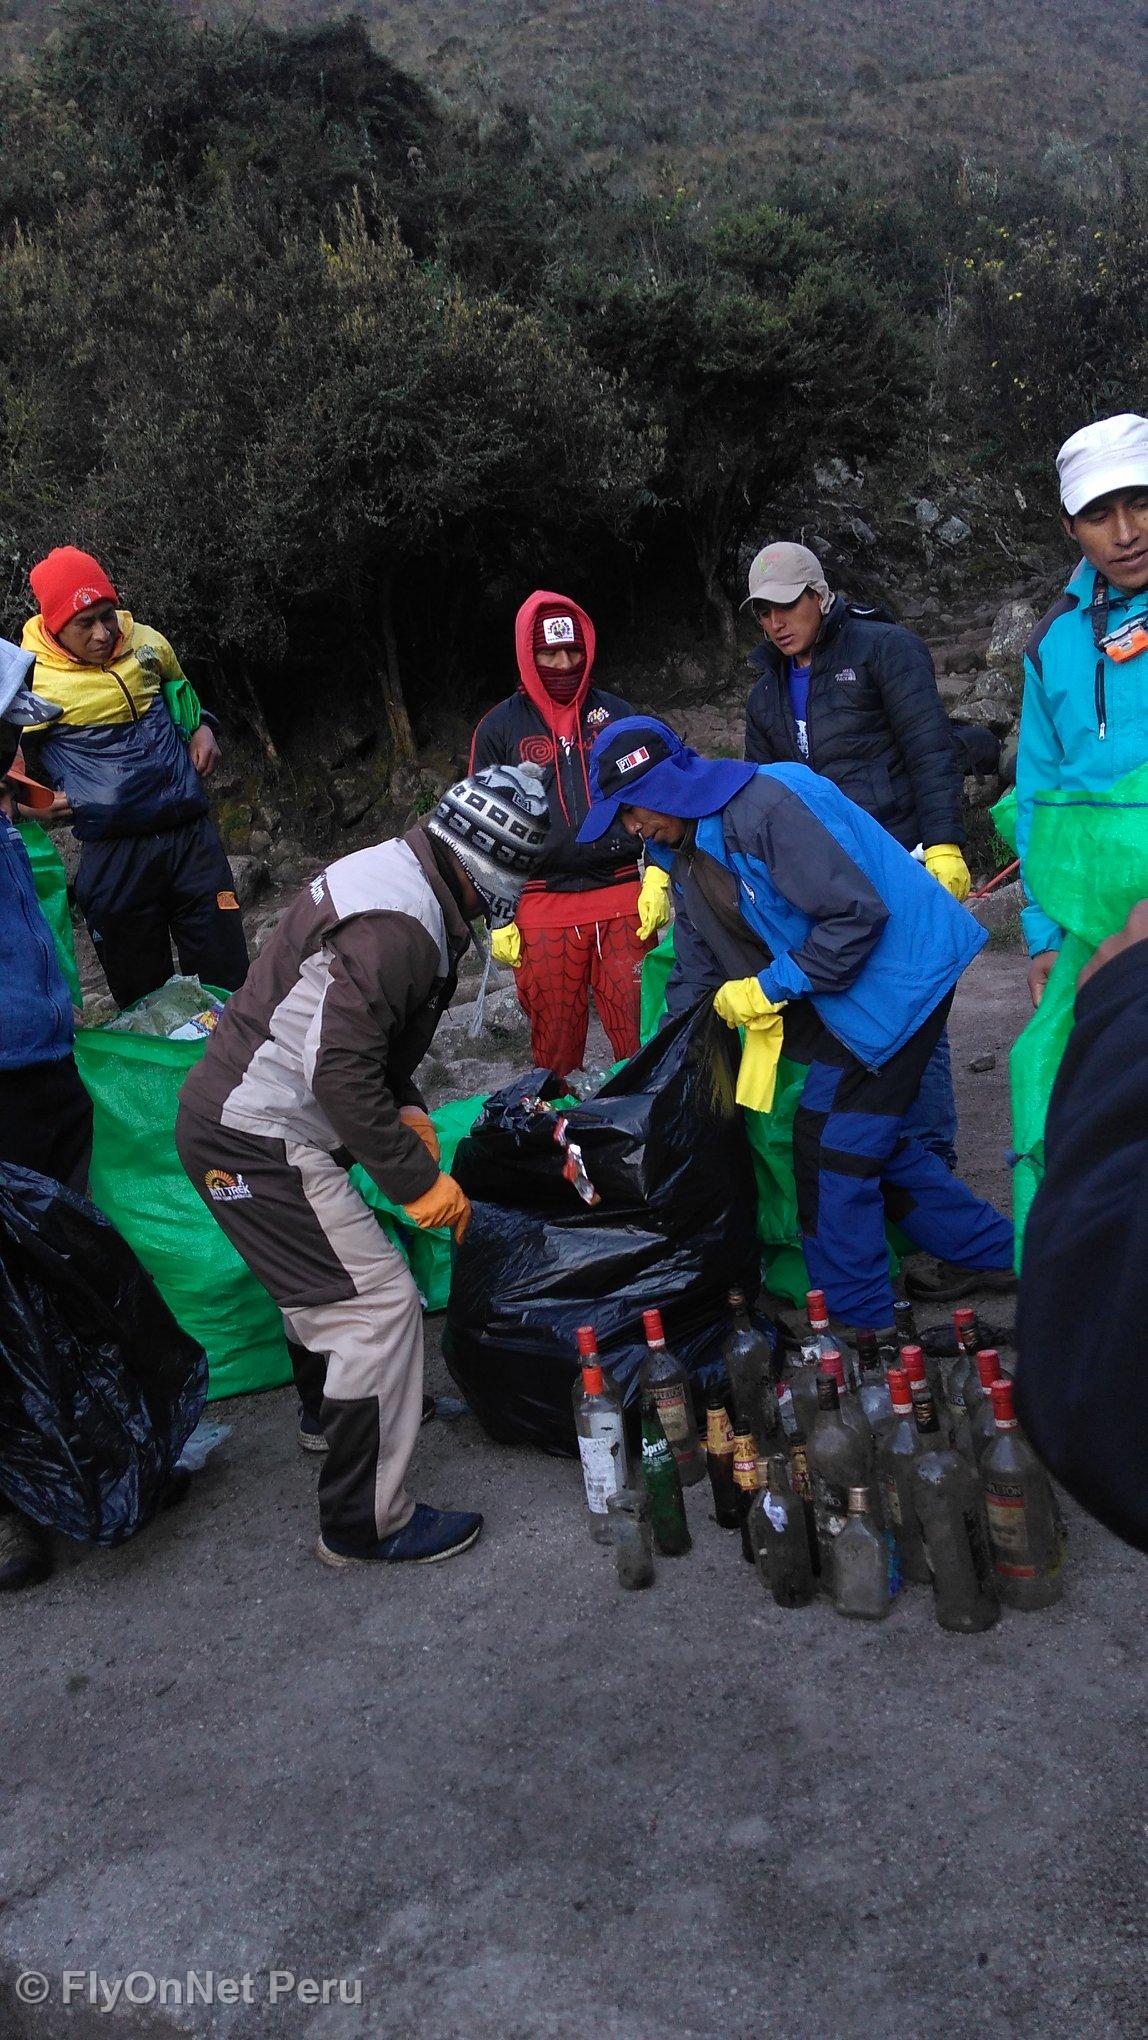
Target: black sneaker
<point x="310" y="1431"/>
<point x="934" y="1281"/>
<point x="25" y="1553"/>
<point x="431" y="1535"/>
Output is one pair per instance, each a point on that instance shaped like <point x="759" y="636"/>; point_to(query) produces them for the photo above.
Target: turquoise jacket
<point x="1084" y="718"/>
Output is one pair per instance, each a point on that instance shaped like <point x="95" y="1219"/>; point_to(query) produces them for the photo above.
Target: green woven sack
<point x="1087" y="866"/>
<point x="52" y="893"/>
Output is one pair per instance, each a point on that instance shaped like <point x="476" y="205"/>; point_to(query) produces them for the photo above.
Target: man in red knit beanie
<point x="584" y="923"/>
<point x="129" y="753"/>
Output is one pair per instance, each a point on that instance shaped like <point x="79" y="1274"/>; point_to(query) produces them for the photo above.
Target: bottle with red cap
<point x="601" y="1431"/>
<point x="958" y="1375"/>
<point x="950" y="1510"/>
<point x="852" y="1413"/>
<point x="818" y="1341"/>
<point x="1024" y="1522"/>
<point x="873" y="1392"/>
<point x="665" y="1377"/>
<point x="839" y="1459"/>
<point x="982" y="1423"/>
<point x="898" y="1450"/>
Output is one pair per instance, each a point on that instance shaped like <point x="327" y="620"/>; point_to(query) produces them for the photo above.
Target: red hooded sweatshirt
<point x="531" y="728"/>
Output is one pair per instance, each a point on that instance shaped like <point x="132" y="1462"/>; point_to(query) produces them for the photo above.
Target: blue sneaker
<point x="430" y="1535"/>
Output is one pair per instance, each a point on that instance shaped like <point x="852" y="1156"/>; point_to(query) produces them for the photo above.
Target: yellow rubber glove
<point x="653" y="901"/>
<point x="420" y="1123"/>
<point x="949" y="869"/>
<point x="445" y="1203"/>
<point x="740" y="1002"/>
<point x="506" y="945"/>
<point x="760" y="1054"/>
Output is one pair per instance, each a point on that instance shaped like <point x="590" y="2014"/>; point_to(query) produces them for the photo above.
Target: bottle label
<point x="745" y="1465"/>
<point x="775" y="1512"/>
<point x="719" y="1431"/>
<point x="671" y="1406"/>
<point x="786" y="1411"/>
<point x="892" y="1501"/>
<point x="799" y="1472"/>
<point x="601" y="1470"/>
<point x="1008" y="1527"/>
<point x="831" y="1504"/>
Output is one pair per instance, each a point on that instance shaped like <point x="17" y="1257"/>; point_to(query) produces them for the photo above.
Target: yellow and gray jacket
<point x="119" y="750"/>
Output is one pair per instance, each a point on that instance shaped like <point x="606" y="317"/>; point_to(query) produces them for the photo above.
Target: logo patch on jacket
<point x="846" y="677"/>
<point x="223" y="1188"/>
<point x="536" y="750"/>
<point x="597" y="717"/>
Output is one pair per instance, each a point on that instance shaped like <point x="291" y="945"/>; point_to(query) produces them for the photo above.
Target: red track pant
<point x="559" y="969"/>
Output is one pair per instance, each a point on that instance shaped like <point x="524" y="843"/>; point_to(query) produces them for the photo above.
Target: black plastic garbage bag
<point x="664" y="1145"/>
<point x="99" y="1388"/>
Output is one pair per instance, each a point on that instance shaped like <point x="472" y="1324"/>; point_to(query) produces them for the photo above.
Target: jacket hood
<point x="765" y="657"/>
<point x="563" y="718"/>
<point x="37" y="639"/>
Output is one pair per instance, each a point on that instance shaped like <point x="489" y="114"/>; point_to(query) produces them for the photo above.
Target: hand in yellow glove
<point x="949" y="869"/>
<point x="653" y="902"/>
<point x="740" y="1002"/>
<point x="420" y="1123"/>
<point x="445" y="1203"/>
<point x="506" y="945"/>
<point x="757" y="1076"/>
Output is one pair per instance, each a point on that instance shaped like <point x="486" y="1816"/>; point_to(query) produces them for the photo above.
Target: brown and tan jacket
<point x="321" y="1043"/>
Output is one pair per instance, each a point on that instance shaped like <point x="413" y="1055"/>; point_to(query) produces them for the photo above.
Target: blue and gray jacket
<point x="1084" y="719"/>
<point x="849" y="920"/>
<point x="36" y="1017"/>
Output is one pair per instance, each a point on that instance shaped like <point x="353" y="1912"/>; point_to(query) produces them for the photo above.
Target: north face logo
<point x="846" y="677"/>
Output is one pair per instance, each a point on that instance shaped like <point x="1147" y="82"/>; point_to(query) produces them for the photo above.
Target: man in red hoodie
<point x="584" y="923"/>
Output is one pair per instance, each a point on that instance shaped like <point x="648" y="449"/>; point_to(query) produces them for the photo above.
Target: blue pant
<point x="856" y="1164"/>
<point x="932" y="1117"/>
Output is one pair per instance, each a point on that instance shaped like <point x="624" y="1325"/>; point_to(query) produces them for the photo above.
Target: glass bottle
<point x="662" y="1483"/>
<point x="922" y="1376"/>
<point x="719" y="1461"/>
<point x="778" y="1536"/>
<point x="873" y="1392"/>
<point x="905" y="1325"/>
<point x="666" y="1378"/>
<point x="628" y="1514"/>
<point x="959" y="1371"/>
<point x="817" y="1342"/>
<point x="797" y="1442"/>
<point x="849" y="1404"/>
<point x="982" y="1423"/>
<point x="1024" y="1525"/>
<point x="749" y="1364"/>
<point x="838" y="1460"/>
<point x="947" y="1498"/>
<point x="745" y="1485"/>
<point x="861" y="1562"/>
<point x="601" y="1432"/>
<point x="898" y="1449"/>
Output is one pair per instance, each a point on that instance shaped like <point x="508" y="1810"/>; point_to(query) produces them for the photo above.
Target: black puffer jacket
<point x="876" y="725"/>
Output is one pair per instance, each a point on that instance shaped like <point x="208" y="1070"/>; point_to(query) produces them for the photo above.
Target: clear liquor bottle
<point x="861" y="1562"/>
<point x="601" y="1432"/>
<point x="1024" y="1522"/>
<point x="818" y="1341"/>
<point x="851" y="1411"/>
<point x="778" y="1537"/>
<point x="982" y="1423"/>
<point x="922" y="1376"/>
<point x="749" y="1365"/>
<point x="838" y="1460"/>
<point x="873" y="1390"/>
<point x="663" y="1374"/>
<point x="947" y="1498"/>
<point x="898" y="1450"/>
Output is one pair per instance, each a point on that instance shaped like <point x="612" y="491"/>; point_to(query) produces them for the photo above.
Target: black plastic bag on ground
<point x="99" y="1388"/>
<point x="664" y="1145"/>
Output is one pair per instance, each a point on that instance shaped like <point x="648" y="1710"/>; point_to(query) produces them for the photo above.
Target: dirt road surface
<point x="500" y="1798"/>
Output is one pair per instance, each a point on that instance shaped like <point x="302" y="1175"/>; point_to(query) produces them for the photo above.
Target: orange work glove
<point x="420" y="1123"/>
<point x="445" y="1203"/>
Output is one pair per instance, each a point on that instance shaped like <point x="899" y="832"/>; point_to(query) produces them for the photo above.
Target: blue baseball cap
<point x="639" y="762"/>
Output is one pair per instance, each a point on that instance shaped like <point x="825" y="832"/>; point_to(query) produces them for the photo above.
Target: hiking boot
<point x="943" y="1282"/>
<point x="431" y="1534"/>
<point x="310" y="1432"/>
<point x="25" y="1553"/>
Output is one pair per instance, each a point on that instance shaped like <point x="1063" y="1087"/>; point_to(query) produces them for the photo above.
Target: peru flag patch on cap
<point x="632" y="758"/>
<point x="558" y="630"/>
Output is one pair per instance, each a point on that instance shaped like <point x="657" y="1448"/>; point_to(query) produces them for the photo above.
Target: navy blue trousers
<point x="139" y="894"/>
<point x="856" y="1165"/>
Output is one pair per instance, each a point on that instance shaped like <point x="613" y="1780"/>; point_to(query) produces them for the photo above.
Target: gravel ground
<point x="500" y="1798"/>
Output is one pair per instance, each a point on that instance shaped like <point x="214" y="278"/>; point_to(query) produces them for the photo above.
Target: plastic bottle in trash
<point x="719" y="1461"/>
<point x="662" y="1483"/>
<point x="778" y="1537"/>
<point x="601" y="1435"/>
<point x="749" y="1365"/>
<point x="666" y="1379"/>
<point x="950" y="1510"/>
<point x="1024" y="1522"/>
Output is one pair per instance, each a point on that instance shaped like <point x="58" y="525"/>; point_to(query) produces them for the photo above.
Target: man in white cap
<point x="1084" y="721"/>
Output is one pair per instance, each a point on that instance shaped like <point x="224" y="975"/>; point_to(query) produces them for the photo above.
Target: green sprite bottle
<point x="662" y="1483"/>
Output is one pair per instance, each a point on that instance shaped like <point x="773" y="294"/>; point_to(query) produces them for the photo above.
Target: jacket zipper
<point x="1101" y="703"/>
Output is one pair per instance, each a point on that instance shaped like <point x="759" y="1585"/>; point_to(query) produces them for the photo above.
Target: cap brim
<point x="687" y="792"/>
<point x="1127" y="474"/>
<point x="786" y="592"/>
<point x="31" y="793"/>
